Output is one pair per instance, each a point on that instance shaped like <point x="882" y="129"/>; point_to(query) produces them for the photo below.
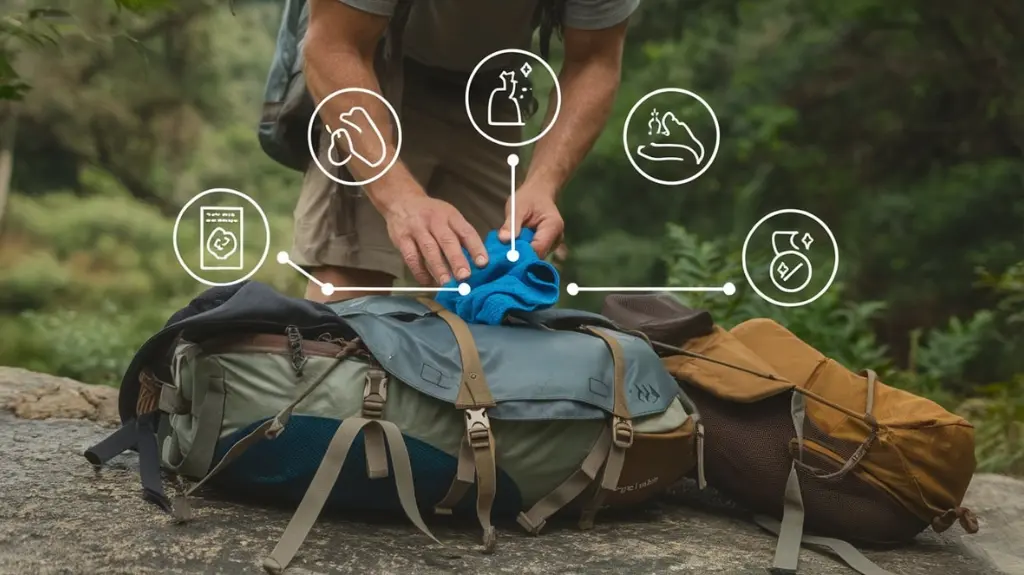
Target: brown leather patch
<point x="655" y="462"/>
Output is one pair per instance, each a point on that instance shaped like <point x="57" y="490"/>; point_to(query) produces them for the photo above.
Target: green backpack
<point x="389" y="403"/>
<point x="287" y="104"/>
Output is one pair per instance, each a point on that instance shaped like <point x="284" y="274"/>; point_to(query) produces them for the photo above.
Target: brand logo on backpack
<point x="637" y="486"/>
<point x="647" y="394"/>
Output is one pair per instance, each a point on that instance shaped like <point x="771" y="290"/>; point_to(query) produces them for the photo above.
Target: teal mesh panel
<point x="284" y="467"/>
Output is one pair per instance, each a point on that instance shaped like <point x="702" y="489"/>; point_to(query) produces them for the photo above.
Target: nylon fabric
<point x="520" y="363"/>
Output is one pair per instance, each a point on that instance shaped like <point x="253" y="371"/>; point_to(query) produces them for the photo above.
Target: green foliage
<point x="897" y="122"/>
<point x="841" y="329"/>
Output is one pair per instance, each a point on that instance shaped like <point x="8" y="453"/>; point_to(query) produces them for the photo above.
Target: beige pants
<point x="337" y="226"/>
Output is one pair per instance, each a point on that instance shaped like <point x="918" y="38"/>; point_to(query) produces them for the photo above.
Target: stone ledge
<point x="57" y="515"/>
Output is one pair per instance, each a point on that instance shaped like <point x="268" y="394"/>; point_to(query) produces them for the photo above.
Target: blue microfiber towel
<point x="528" y="284"/>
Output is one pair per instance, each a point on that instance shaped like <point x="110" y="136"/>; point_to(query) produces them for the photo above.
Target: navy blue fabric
<point x="283" y="468"/>
<point x="527" y="284"/>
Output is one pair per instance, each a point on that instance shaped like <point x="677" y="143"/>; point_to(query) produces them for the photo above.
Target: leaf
<point x="40" y="13"/>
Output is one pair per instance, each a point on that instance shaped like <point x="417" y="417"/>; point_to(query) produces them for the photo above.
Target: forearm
<point x="330" y="65"/>
<point x="588" y="92"/>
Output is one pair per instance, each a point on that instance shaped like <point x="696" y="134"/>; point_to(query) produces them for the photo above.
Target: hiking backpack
<point x="839" y="456"/>
<point x="283" y="130"/>
<point x="385" y="403"/>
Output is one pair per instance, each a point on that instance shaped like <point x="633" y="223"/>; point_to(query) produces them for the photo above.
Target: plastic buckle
<point x="478" y="428"/>
<point x="375" y="394"/>
<point x="622" y="432"/>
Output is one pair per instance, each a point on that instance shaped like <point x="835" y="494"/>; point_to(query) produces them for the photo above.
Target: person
<point x="450" y="185"/>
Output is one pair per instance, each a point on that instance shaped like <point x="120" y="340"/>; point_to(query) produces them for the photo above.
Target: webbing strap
<point x="375" y="396"/>
<point x="534" y="519"/>
<point x="464" y="478"/>
<point x="787" y="549"/>
<point x="269" y="429"/>
<point x="115" y="444"/>
<point x="620" y="405"/>
<point x="862" y="449"/>
<point x="621" y="429"/>
<point x="481" y="440"/>
<point x="473" y="390"/>
<point x="848" y="553"/>
<point x="327" y="475"/>
<point x="149" y="460"/>
<point x="474" y="398"/>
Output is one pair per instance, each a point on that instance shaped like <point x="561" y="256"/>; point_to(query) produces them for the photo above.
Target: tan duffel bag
<point x="808" y="445"/>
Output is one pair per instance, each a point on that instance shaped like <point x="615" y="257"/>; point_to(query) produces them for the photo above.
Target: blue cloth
<point x="528" y="284"/>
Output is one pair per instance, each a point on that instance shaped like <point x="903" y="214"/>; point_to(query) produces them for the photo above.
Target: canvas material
<point x="522" y="364"/>
<point x="924" y="455"/>
<point x="537" y="455"/>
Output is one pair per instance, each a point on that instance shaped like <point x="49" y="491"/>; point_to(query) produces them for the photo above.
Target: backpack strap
<point x="140" y="434"/>
<point x="476" y="453"/>
<point x="549" y="18"/>
<point x="608" y="452"/>
<point x="327" y="475"/>
<point x="848" y="553"/>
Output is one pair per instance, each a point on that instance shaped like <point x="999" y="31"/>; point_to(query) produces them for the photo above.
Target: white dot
<point x="464" y="288"/>
<point x="282" y="257"/>
<point x="327" y="289"/>
<point x="513" y="160"/>
<point x="512" y="255"/>
<point x="729" y="288"/>
<point x="572" y="289"/>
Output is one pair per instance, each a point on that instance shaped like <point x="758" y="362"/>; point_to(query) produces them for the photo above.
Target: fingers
<point x="547" y="235"/>
<point x="451" y="247"/>
<point x="471" y="240"/>
<point x="411" y="256"/>
<point x="433" y="257"/>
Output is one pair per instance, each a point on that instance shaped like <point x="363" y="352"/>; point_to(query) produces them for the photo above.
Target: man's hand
<point x="430" y="234"/>
<point x="535" y="209"/>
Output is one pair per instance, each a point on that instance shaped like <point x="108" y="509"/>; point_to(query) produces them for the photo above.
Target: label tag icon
<point x="221" y="232"/>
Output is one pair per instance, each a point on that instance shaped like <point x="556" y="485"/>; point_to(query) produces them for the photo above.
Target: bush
<point x="938" y="362"/>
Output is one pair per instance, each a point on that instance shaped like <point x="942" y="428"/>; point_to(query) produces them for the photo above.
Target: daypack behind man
<point x="450" y="185"/>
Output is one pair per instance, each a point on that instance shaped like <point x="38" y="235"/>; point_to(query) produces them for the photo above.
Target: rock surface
<point x="57" y="515"/>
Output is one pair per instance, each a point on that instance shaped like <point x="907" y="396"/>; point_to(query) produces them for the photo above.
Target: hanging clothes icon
<point x="503" y="107"/>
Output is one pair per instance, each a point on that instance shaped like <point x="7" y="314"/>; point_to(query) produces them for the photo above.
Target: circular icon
<point x="504" y="103"/>
<point x="222" y="237"/>
<point x="355" y="120"/>
<point x="795" y="249"/>
<point x="671" y="145"/>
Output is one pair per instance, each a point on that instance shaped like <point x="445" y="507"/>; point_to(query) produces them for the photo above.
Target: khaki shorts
<point x="337" y="226"/>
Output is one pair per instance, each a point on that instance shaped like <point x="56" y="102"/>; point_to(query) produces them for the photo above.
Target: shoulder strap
<point x="550" y="19"/>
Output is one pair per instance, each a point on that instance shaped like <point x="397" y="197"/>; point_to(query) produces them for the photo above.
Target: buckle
<point x="478" y="428"/>
<point x="622" y="432"/>
<point x="375" y="394"/>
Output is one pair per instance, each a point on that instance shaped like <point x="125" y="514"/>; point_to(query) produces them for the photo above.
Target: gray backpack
<point x="287" y="104"/>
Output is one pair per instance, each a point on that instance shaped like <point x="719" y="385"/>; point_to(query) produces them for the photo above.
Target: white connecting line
<point x="728" y="289"/>
<point x="330" y="289"/>
<point x="512" y="255"/>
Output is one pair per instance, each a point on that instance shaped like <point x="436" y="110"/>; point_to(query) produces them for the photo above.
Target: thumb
<point x="514" y="222"/>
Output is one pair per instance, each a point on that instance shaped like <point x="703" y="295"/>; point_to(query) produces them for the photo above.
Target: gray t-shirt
<point x="457" y="34"/>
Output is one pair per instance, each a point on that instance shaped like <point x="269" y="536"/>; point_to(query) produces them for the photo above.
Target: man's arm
<point x="588" y="80"/>
<point x="339" y="53"/>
